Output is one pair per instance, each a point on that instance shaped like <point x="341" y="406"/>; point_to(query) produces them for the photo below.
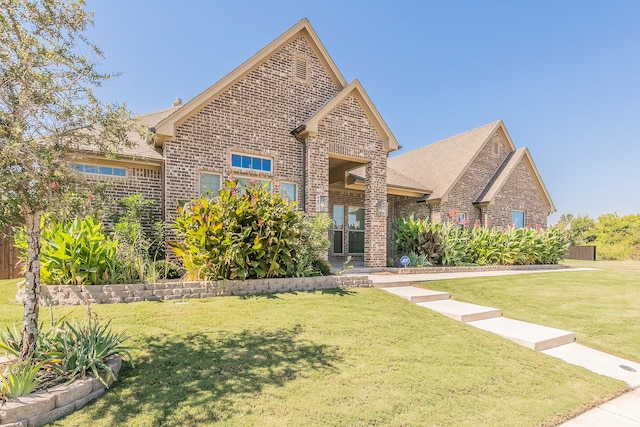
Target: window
<point x="254" y="163"/>
<point x="99" y="170"/>
<point x="243" y="182"/>
<point x="338" y="226"/>
<point x="517" y="219"/>
<point x="289" y="191"/>
<point x="355" y="216"/>
<point x="210" y="182"/>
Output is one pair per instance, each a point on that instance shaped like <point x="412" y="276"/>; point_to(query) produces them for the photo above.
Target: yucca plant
<point x="87" y="345"/>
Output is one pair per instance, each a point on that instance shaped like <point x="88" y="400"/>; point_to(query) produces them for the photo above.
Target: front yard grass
<point x="600" y="306"/>
<point x="342" y="357"/>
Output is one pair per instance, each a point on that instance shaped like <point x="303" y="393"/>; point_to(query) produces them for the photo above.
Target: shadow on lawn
<point x="198" y="378"/>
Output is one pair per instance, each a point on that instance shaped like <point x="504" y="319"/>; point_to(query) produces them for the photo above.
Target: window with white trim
<point x="210" y="183"/>
<point x="253" y="163"/>
<point x="99" y="170"/>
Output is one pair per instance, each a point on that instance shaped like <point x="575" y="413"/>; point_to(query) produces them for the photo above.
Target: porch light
<point x="323" y="204"/>
<point x="383" y="208"/>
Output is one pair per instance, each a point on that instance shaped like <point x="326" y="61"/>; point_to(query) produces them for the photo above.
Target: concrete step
<point x="598" y="362"/>
<point x="416" y="295"/>
<point x="535" y="337"/>
<point x="390" y="283"/>
<point x="462" y="311"/>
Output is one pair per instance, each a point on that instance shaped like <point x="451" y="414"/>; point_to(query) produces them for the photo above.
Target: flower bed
<point x="40" y="408"/>
<point x="113" y="294"/>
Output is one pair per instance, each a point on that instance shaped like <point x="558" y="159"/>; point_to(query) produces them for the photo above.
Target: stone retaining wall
<point x="113" y="294"/>
<point x="43" y="407"/>
<point x="473" y="268"/>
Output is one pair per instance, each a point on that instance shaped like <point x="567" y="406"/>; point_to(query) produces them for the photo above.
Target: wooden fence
<point x="8" y="257"/>
<point x="587" y="253"/>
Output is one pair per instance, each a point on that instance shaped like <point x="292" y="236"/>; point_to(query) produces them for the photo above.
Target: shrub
<point x="68" y="348"/>
<point x="314" y="246"/>
<point x="85" y="346"/>
<point x="74" y="252"/>
<point x="140" y="239"/>
<point x="243" y="234"/>
<point x="420" y="237"/>
<point x="452" y="244"/>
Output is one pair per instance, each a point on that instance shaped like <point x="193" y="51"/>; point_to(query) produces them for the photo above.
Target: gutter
<point x="303" y="193"/>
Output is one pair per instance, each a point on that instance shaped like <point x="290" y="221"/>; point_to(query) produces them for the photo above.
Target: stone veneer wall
<point x="113" y="294"/>
<point x="44" y="407"/>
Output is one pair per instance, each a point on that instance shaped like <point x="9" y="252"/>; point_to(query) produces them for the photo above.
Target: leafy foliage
<point x="242" y="234"/>
<point x="69" y="348"/>
<point x="616" y="237"/>
<point x="48" y="110"/>
<point x="140" y="242"/>
<point x="313" y="250"/>
<point x="84" y="348"/>
<point x="419" y="236"/>
<point x="19" y="379"/>
<point x="452" y="244"/>
<point x="581" y="230"/>
<point x="75" y="252"/>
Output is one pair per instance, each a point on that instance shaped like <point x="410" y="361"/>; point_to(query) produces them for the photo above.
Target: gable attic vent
<point x="301" y="69"/>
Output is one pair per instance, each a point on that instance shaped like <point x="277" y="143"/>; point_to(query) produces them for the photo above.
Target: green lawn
<point x="601" y="307"/>
<point x="352" y="357"/>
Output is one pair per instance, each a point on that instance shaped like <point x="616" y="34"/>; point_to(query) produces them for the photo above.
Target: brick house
<point x="287" y="115"/>
<point x="481" y="175"/>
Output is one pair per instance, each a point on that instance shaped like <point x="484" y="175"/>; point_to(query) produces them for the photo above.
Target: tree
<point x="48" y="110"/>
<point x="581" y="230"/>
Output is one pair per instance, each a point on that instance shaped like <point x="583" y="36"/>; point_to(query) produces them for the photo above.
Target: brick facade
<point x="144" y="179"/>
<point x="254" y="116"/>
<point x="519" y="192"/>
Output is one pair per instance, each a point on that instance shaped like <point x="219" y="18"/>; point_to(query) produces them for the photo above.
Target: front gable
<point x="296" y="57"/>
<point x="356" y="95"/>
<point x="517" y="177"/>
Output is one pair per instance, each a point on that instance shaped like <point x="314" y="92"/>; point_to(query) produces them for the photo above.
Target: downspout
<point x="303" y="193"/>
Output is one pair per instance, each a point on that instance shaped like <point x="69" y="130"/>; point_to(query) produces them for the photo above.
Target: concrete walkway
<point x="622" y="411"/>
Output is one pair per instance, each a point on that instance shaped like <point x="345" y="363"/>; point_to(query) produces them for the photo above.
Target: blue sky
<point x="563" y="75"/>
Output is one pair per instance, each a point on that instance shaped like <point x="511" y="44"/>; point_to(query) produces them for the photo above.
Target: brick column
<point x="316" y="174"/>
<point x="375" y="237"/>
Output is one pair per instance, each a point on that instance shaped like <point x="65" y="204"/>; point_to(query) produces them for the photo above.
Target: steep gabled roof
<point x="501" y="176"/>
<point x="167" y="126"/>
<point x="310" y="126"/>
<point x="441" y="164"/>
